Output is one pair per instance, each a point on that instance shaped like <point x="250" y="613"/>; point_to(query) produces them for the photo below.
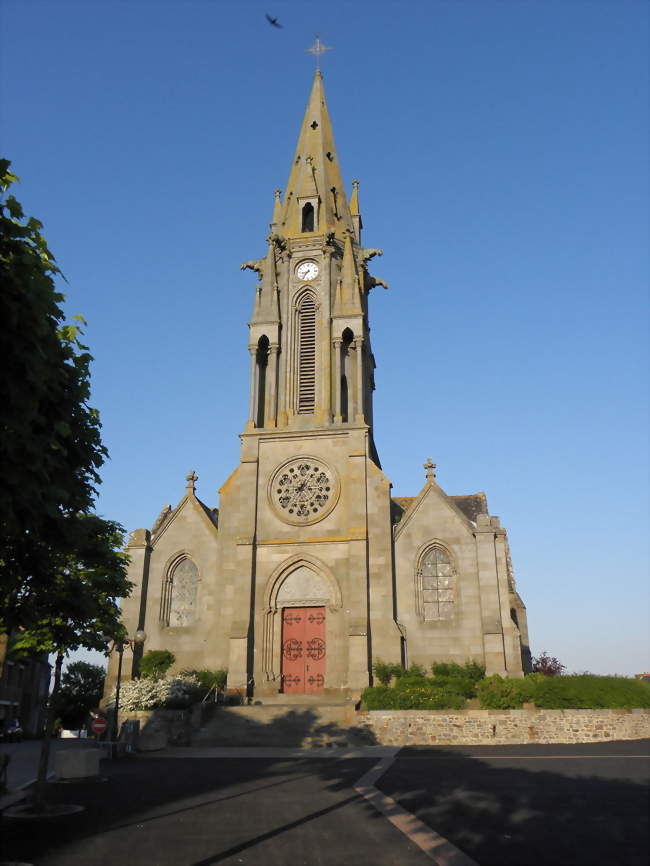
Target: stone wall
<point x="161" y="728"/>
<point x="488" y="727"/>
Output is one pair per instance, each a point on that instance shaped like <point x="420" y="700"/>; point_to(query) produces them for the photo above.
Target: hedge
<point x="453" y="684"/>
<point x="582" y="691"/>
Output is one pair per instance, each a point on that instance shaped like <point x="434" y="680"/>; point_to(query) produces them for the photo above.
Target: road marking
<point x="515" y="757"/>
<point x="435" y="846"/>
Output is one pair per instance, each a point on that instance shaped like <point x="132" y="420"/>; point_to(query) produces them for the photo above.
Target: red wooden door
<point x="303" y="649"/>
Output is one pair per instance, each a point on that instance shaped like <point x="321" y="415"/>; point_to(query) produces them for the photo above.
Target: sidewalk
<point x="23" y="764"/>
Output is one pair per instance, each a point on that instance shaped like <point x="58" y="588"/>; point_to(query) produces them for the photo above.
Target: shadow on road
<point x="565" y="811"/>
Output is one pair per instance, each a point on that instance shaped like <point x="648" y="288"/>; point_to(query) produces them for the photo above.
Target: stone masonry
<point x="492" y="727"/>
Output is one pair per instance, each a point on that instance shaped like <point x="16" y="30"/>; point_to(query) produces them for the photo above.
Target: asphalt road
<point x="532" y="805"/>
<point x="204" y="811"/>
<point x="502" y="805"/>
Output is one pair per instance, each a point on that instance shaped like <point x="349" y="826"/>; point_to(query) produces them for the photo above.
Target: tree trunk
<point x="4" y="643"/>
<point x="41" y="781"/>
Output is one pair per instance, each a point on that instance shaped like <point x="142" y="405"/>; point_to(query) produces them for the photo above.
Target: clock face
<point x="307" y="271"/>
<point x="303" y="490"/>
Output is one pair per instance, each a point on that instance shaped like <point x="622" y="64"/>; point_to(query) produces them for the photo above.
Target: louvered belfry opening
<point x="307" y="355"/>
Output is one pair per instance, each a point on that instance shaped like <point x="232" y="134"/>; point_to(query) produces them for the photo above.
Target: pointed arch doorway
<point x="304" y="650"/>
<point x="302" y="588"/>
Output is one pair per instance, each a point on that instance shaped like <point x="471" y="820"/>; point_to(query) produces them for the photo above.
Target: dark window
<point x="347" y="374"/>
<point x="262" y="362"/>
<point x="308" y="217"/>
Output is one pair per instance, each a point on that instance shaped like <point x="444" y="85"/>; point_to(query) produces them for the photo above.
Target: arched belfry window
<point x="261" y="364"/>
<point x="180" y="591"/>
<point x="347" y="374"/>
<point x="306" y="354"/>
<point x="307" y="217"/>
<point x="436" y="584"/>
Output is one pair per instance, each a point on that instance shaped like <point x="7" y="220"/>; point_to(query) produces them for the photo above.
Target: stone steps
<point x="299" y="726"/>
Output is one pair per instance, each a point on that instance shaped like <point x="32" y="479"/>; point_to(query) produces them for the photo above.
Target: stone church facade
<point x="309" y="571"/>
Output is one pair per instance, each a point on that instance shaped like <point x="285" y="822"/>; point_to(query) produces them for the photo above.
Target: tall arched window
<point x="436" y="579"/>
<point x="306" y="354"/>
<point x="307" y="217"/>
<point x="262" y="359"/>
<point x="178" y="606"/>
<point x="347" y="374"/>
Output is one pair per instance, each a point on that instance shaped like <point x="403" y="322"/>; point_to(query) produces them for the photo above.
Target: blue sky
<point x="501" y="148"/>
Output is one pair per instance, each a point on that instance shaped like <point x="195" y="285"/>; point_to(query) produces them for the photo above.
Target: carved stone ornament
<point x="303" y="490"/>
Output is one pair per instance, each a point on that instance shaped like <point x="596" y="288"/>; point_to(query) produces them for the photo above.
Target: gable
<point x="190" y="518"/>
<point x="432" y="513"/>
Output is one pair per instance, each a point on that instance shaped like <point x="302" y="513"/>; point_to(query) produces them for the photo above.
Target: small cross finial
<point x="430" y="466"/>
<point x="317" y="49"/>
<point x="191" y="479"/>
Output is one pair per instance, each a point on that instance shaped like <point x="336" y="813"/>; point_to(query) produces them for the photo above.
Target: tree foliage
<point x="156" y="663"/>
<point x="61" y="569"/>
<point x="50" y="443"/>
<point x="81" y="689"/>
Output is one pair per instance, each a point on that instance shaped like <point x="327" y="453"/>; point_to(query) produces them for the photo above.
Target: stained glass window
<point x="181" y="592"/>
<point x="437" y="585"/>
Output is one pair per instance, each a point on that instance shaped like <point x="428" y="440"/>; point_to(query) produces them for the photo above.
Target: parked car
<point x="12" y="732"/>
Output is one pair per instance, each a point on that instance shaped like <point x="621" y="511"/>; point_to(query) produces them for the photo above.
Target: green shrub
<point x="496" y="693"/>
<point x="469" y="671"/>
<point x="384" y="671"/>
<point x="209" y="680"/>
<point x="379" y="698"/>
<point x="156" y="663"/>
<point x="463" y="685"/>
<point x="414" y="670"/>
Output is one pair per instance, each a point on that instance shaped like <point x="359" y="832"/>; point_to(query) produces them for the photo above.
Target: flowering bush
<point x="173" y="692"/>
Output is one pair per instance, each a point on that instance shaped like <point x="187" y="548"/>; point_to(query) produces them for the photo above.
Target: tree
<point x="50" y="444"/>
<point x="81" y="689"/>
<point x="548" y="665"/>
<point x="61" y="566"/>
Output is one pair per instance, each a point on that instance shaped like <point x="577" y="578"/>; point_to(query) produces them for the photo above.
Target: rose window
<point x="303" y="491"/>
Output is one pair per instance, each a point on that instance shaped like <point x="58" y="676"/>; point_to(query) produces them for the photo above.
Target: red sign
<point x="303" y="649"/>
<point x="98" y="725"/>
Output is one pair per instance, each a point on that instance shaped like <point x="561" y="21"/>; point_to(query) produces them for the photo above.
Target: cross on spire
<point x="430" y="466"/>
<point x="317" y="49"/>
<point x="191" y="479"/>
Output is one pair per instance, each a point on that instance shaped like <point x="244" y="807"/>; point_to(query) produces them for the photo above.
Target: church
<point x="309" y="571"/>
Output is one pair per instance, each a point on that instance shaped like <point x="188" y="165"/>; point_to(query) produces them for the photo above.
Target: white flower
<point x="149" y="694"/>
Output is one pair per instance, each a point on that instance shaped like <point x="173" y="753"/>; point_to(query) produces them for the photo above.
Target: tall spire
<point x="315" y="176"/>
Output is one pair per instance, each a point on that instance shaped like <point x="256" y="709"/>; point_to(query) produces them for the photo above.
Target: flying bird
<point x="273" y="21"/>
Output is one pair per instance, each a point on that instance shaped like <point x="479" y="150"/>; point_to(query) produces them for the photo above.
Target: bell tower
<point x="309" y="340"/>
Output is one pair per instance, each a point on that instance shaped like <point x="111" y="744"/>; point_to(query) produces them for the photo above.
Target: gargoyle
<point x="328" y="241"/>
<point x="253" y="266"/>
<point x="278" y="241"/>
<point x="368" y="254"/>
<point x="375" y="281"/>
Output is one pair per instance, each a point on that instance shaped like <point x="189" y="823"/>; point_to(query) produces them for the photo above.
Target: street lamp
<point x="119" y="645"/>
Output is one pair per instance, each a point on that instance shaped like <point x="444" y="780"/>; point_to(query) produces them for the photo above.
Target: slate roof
<point x="471" y="505"/>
